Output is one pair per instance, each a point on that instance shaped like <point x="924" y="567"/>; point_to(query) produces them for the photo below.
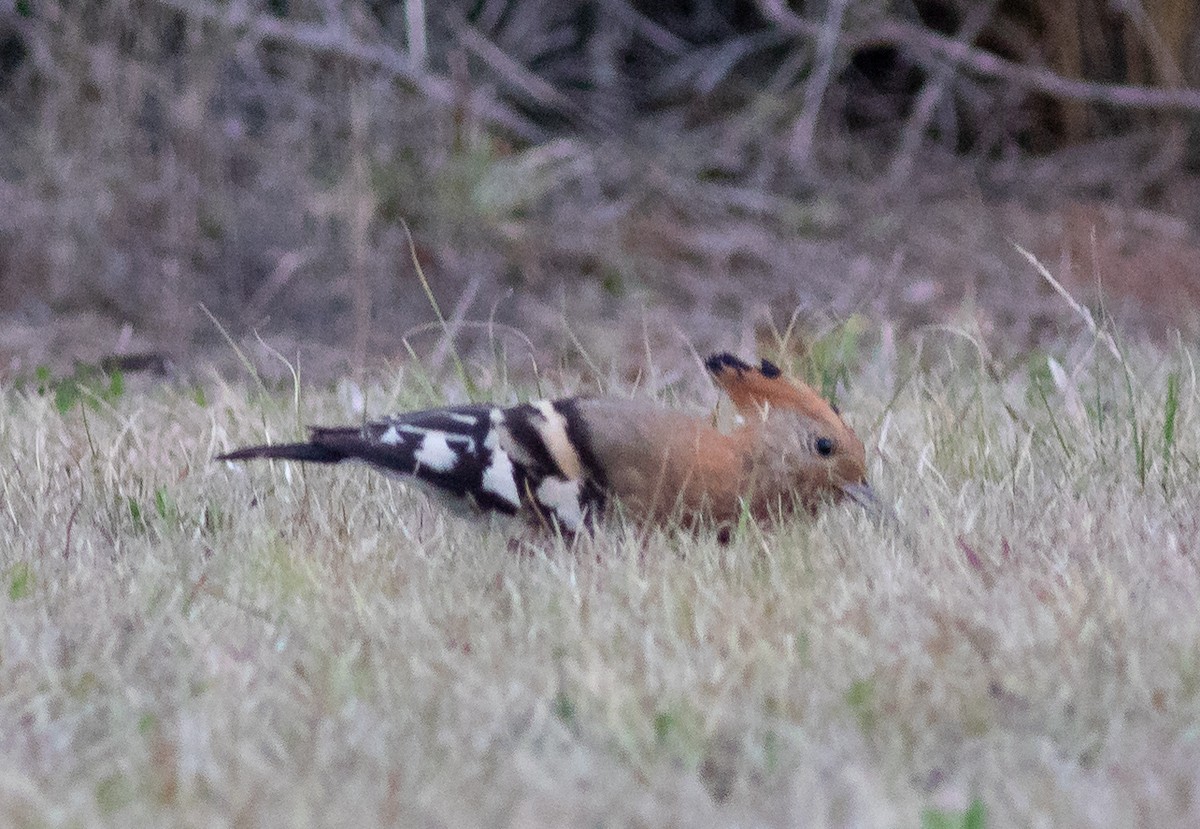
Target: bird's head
<point x="800" y="436"/>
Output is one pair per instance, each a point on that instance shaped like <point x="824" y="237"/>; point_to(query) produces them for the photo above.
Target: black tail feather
<point x="310" y="452"/>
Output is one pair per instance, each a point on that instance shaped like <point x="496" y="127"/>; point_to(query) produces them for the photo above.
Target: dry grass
<point x="192" y="643"/>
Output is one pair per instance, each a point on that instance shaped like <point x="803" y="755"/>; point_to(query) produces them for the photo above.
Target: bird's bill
<point x="863" y="495"/>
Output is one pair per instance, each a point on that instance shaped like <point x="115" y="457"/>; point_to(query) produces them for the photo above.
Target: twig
<point x="818" y="84"/>
<point x="663" y="38"/>
<point x="935" y="87"/>
<point x="518" y="77"/>
<point x="459" y="367"/>
<point x="337" y="41"/>
<point x="288" y="264"/>
<point x="455" y="322"/>
<point x="416" y="27"/>
<point x="71" y="525"/>
<point x="1083" y="313"/>
<point x="360" y="209"/>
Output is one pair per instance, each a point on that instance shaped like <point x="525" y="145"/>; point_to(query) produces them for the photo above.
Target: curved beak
<point x="863" y="495"/>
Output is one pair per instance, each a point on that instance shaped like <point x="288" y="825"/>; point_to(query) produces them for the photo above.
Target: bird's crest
<point x="756" y="389"/>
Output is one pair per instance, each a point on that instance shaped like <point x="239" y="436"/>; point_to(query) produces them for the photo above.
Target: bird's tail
<point x="311" y="452"/>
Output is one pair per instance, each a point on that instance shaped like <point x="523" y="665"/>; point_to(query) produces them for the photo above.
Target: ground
<point x="207" y="644"/>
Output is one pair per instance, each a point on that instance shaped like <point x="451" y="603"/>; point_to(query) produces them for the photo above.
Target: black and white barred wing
<point x="531" y="458"/>
<point x="549" y="443"/>
<point x="453" y="451"/>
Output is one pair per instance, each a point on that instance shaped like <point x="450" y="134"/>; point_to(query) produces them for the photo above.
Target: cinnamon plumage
<point x="565" y="463"/>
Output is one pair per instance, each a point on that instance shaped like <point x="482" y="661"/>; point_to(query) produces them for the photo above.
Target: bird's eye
<point x="824" y="447"/>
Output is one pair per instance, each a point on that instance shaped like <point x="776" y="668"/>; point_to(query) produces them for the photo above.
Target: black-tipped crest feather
<point x="717" y="362"/>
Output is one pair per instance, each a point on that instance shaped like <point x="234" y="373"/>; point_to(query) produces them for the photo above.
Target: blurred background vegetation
<point x="599" y="174"/>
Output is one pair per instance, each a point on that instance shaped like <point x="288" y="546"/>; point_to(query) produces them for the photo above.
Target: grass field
<point x="191" y="643"/>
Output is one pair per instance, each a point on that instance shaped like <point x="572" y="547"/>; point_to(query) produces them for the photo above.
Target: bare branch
<point x="814" y="91"/>
<point x="513" y="73"/>
<point x="926" y="44"/>
<point x="985" y="63"/>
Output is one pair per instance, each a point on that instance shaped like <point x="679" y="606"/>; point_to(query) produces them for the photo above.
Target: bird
<point x="565" y="464"/>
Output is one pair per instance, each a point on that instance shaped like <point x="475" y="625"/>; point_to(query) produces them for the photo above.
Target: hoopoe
<point x="562" y="463"/>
